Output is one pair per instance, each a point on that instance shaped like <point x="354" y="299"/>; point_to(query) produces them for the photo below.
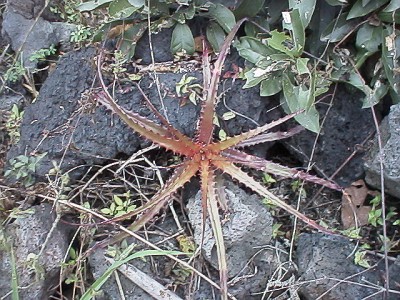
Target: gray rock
<point x="346" y="126"/>
<point x="390" y="133"/>
<point x="155" y="267"/>
<point x="27" y="236"/>
<point x="323" y="261"/>
<point x="247" y="228"/>
<point x="29" y="35"/>
<point x="3" y="41"/>
<point x="161" y="42"/>
<point x="29" y="9"/>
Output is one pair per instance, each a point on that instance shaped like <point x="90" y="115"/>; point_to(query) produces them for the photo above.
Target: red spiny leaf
<point x="209" y="198"/>
<point x="169" y="138"/>
<point x="181" y="176"/>
<point x="261" y="164"/>
<point x="242" y="177"/>
<point x="237" y="139"/>
<point x="270" y="136"/>
<point x="206" y="125"/>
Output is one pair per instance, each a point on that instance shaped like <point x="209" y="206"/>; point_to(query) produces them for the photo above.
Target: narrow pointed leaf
<point x="205" y="174"/>
<point x="261" y="164"/>
<point x="212" y="208"/>
<point x="232" y="141"/>
<point x="270" y="136"/>
<point x="206" y="126"/>
<point x="148" y="129"/>
<point x="251" y="183"/>
<point x="181" y="176"/>
<point x="169" y="137"/>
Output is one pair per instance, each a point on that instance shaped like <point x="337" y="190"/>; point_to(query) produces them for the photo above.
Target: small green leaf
<point x="359" y="259"/>
<point x="253" y="78"/>
<point x="390" y="57"/>
<point x="119" y="213"/>
<point x="131" y="208"/>
<point x="278" y="41"/>
<point x="193" y="97"/>
<point x="306" y="9"/>
<point x="248" y="8"/>
<point x="298" y="30"/>
<point x="360" y="10"/>
<point x="15" y="110"/>
<point x="267" y="178"/>
<point x="182" y="39"/>
<point x="378" y="92"/>
<point x="120" y="9"/>
<point x="106" y="211"/>
<point x="118" y="200"/>
<point x="92" y="5"/>
<point x="222" y="135"/>
<point x="296" y="98"/>
<point x="252" y="49"/>
<point x="184" y="14"/>
<point x="224" y="17"/>
<point x="369" y="38"/>
<point x="271" y="86"/>
<point x="215" y="36"/>
<point x="228" y="116"/>
<point x="301" y="66"/>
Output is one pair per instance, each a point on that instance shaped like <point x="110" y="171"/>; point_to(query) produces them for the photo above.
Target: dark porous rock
<point x="390" y="135"/>
<point x="27" y="236"/>
<point x="247" y="231"/>
<point x="68" y="126"/>
<point x="54" y="117"/>
<point x="326" y="268"/>
<point x="347" y="125"/>
<point x="161" y="46"/>
<point x="8" y="100"/>
<point x="74" y="132"/>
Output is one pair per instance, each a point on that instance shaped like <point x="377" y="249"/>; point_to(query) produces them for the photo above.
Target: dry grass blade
<point x="145" y="282"/>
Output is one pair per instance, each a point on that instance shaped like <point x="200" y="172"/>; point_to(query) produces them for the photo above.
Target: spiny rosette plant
<point x="204" y="157"/>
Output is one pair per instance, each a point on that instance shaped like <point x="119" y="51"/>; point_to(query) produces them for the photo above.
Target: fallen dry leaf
<point x="354" y="212"/>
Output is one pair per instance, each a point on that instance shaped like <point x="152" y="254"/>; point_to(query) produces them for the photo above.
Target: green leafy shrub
<point x="23" y="168"/>
<point x="279" y="61"/>
<point x="41" y="54"/>
<point x="13" y="123"/>
<point x="128" y="18"/>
